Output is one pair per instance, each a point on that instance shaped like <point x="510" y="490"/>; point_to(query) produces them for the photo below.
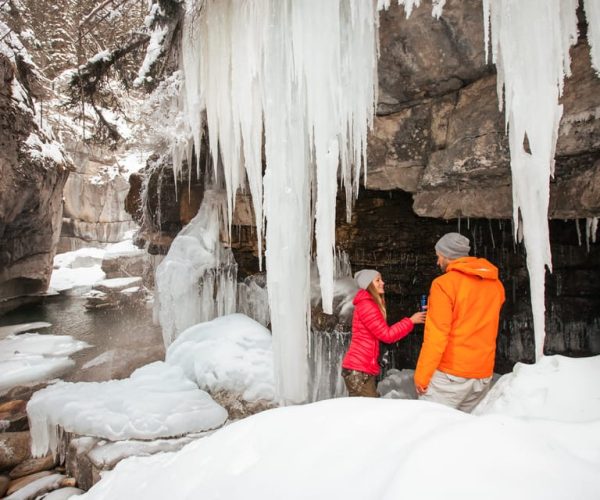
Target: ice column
<point x="300" y="76"/>
<point x="530" y="43"/>
<point x="197" y="279"/>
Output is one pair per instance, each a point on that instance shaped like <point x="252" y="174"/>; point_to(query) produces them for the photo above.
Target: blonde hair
<point x="379" y="299"/>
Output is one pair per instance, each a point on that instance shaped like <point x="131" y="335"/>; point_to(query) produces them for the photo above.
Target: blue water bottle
<point x="423" y="302"/>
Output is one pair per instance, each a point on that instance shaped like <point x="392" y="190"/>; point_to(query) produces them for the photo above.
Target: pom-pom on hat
<point x="364" y="277"/>
<point x="453" y="245"/>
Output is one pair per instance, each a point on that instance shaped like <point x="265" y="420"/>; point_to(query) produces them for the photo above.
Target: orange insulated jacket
<point x="462" y="321"/>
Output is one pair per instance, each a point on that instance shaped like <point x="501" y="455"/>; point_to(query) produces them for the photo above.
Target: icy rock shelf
<point x="156" y="401"/>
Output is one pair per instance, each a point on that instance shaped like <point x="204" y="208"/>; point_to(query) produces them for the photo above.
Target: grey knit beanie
<point x="364" y="277"/>
<point x="453" y="245"/>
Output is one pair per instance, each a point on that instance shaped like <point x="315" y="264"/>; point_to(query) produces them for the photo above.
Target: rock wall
<point x="32" y="175"/>
<point x="161" y="204"/>
<point x="441" y="136"/>
<point x="387" y="235"/>
<point x="94" y="200"/>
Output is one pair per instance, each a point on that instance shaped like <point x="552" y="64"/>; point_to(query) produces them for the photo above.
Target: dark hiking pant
<point x="360" y="383"/>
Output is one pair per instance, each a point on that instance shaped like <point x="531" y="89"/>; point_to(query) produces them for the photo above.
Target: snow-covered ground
<point x="519" y="446"/>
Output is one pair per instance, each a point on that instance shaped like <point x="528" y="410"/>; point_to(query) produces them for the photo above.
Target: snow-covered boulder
<point x="554" y="388"/>
<point x="124" y="259"/>
<point x="232" y="353"/>
<point x="156" y="401"/>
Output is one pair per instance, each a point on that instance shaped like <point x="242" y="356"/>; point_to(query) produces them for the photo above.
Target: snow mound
<point x="84" y="257"/>
<point x="30" y="358"/>
<point x="123" y="248"/>
<point x="76" y="281"/>
<point x="555" y="388"/>
<point x="156" y="401"/>
<point x="76" y="272"/>
<point x="363" y="449"/>
<point x="232" y="353"/>
<point x="398" y="384"/>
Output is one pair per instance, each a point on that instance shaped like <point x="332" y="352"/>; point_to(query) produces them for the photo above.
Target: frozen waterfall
<point x="291" y="86"/>
<point x="302" y="77"/>
<point x="196" y="281"/>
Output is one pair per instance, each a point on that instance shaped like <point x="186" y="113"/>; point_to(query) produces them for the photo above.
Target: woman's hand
<point x="418" y="318"/>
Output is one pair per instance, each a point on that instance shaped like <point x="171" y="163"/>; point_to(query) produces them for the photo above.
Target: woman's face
<point x="379" y="284"/>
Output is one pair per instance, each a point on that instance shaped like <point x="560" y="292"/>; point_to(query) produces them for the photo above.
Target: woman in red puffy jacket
<point x="369" y="326"/>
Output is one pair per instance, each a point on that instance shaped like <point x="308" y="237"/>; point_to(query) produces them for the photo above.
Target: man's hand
<point x="420" y="390"/>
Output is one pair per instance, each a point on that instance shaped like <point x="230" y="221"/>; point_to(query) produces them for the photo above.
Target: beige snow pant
<point x="458" y="392"/>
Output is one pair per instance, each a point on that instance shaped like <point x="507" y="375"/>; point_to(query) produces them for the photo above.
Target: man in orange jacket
<point x="456" y="362"/>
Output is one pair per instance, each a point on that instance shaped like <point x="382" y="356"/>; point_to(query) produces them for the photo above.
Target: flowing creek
<point x="121" y="340"/>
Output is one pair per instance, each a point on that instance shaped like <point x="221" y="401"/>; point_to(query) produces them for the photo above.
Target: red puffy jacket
<point x="368" y="328"/>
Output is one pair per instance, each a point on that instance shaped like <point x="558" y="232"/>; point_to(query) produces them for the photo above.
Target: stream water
<point x="120" y="340"/>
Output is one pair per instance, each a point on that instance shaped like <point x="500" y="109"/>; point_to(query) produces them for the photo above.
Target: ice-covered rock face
<point x="156" y="401"/>
<point x="232" y="353"/>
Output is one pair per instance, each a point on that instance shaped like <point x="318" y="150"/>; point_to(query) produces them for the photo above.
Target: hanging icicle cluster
<point x="530" y="46"/>
<point x="297" y="81"/>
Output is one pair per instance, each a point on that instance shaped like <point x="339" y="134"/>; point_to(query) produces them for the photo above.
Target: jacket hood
<point x="474" y="266"/>
<point x="362" y="295"/>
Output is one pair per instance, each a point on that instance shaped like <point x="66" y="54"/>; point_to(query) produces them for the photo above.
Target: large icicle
<point x="530" y="46"/>
<point x="303" y="76"/>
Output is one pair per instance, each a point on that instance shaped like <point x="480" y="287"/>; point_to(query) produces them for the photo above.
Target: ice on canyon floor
<point x="78" y="271"/>
<point x="5" y="331"/>
<point x="232" y="353"/>
<point x="105" y="357"/>
<point x="118" y="284"/>
<point x="156" y="401"/>
<point x="555" y="388"/>
<point x="30" y="358"/>
<point x="76" y="281"/>
<point x="62" y="494"/>
<point x="38" y="487"/>
<point x="84" y="257"/>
